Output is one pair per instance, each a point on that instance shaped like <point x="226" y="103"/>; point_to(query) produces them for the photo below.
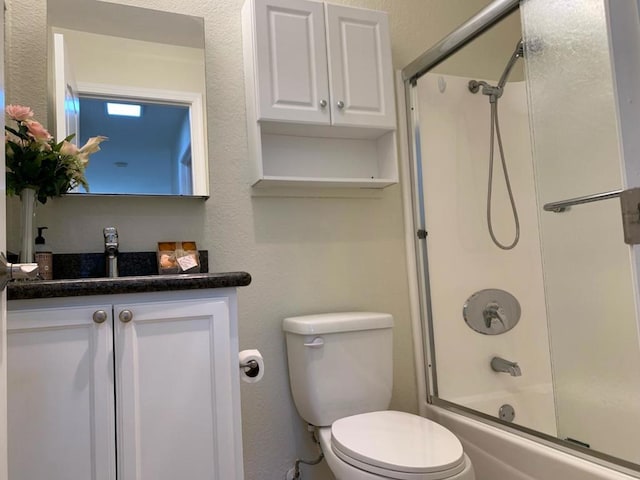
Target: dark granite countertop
<point x="25" y="290"/>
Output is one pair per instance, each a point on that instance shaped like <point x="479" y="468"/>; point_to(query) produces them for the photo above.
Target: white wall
<point x="305" y="255"/>
<point x="454" y="131"/>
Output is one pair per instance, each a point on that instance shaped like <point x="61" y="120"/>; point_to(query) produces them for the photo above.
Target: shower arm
<point x="495" y="92"/>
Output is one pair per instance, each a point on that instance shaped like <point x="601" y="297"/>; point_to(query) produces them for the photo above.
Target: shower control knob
<point x="491" y="311"/>
<point x="125" y="316"/>
<point x="340" y="104"/>
<point x="323" y="103"/>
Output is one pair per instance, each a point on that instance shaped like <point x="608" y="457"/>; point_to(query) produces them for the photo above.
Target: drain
<point x="507" y="413"/>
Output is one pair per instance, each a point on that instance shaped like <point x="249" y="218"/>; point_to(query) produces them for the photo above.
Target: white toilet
<point x="340" y="367"/>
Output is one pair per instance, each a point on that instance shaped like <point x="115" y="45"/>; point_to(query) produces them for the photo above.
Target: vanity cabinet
<point x="60" y="394"/>
<point x="320" y="94"/>
<point x="145" y="385"/>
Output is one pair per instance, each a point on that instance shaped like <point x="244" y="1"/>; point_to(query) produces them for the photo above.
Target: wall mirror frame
<point x="578" y="365"/>
<point x="164" y="65"/>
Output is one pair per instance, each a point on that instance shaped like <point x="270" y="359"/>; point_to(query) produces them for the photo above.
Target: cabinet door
<point x="175" y="372"/>
<point x="291" y="57"/>
<point x="361" y="74"/>
<point x="60" y="394"/>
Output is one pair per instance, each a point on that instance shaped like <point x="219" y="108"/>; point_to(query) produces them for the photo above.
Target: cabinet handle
<point x="323" y="103"/>
<point x="99" y="316"/>
<point x="125" y="316"/>
<point x="340" y="104"/>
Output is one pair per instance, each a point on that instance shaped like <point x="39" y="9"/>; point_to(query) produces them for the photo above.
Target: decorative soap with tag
<point x="178" y="257"/>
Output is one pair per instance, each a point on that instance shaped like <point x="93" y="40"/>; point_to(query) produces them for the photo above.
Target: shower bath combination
<point x="494" y="93"/>
<point x="570" y="131"/>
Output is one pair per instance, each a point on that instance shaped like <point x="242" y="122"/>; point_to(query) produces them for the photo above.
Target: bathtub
<point x="533" y="405"/>
<point x="501" y="455"/>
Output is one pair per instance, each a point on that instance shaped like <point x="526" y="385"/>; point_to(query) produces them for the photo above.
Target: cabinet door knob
<point x="99" y="316"/>
<point x="125" y="316"/>
<point x="323" y="103"/>
<point x="340" y="104"/>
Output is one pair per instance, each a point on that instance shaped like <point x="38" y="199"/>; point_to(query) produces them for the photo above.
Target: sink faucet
<point x="505" y="366"/>
<point x="111" y="251"/>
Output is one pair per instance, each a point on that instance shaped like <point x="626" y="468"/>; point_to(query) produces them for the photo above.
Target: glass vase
<point x="27" y="214"/>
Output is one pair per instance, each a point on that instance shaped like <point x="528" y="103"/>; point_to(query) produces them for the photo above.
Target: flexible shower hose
<point x="495" y="132"/>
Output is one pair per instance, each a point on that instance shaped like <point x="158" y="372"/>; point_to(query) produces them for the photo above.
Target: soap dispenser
<point x="44" y="256"/>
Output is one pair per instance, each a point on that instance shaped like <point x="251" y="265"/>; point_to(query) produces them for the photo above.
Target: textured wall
<point x="305" y="255"/>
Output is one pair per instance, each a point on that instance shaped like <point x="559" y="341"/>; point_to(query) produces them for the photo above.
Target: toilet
<point x="340" y="370"/>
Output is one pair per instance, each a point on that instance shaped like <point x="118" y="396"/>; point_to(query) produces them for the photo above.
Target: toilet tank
<point x="340" y="364"/>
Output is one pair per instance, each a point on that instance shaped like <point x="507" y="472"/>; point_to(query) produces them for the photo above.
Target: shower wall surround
<point x="454" y="129"/>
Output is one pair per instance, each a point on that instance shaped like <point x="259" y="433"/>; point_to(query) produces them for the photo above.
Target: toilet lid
<point x="401" y="444"/>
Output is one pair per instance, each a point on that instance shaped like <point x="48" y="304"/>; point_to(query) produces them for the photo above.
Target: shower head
<point x="517" y="53"/>
<point x="495" y="92"/>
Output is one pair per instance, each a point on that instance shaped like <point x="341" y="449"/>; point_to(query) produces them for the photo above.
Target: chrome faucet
<point x="505" y="366"/>
<point x="111" y="251"/>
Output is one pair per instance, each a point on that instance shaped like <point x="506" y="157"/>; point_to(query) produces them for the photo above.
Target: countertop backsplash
<point x="93" y="265"/>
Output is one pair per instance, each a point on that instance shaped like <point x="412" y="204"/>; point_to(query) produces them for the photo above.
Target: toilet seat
<point x="397" y="445"/>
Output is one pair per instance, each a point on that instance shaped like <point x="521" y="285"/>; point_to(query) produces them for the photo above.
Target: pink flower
<point x="19" y="112"/>
<point x="37" y="131"/>
<point x="68" y="148"/>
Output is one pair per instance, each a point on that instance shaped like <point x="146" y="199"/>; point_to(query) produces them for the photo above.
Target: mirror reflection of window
<point x="148" y="55"/>
<point x="148" y="151"/>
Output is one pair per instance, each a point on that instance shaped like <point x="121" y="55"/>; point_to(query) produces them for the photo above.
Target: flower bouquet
<point x="35" y="160"/>
<point x="38" y="167"/>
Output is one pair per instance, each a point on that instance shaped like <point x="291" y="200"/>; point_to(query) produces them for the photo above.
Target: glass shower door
<point x="581" y="113"/>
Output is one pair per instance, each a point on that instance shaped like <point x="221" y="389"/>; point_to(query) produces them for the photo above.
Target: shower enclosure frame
<point x="417" y="235"/>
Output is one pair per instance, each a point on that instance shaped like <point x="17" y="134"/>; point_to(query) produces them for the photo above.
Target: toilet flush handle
<point x="316" y="343"/>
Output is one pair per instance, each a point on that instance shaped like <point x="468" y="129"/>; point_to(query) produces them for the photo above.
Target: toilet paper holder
<point x="251" y="368"/>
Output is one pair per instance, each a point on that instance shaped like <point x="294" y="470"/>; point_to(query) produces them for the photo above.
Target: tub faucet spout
<point x="505" y="366"/>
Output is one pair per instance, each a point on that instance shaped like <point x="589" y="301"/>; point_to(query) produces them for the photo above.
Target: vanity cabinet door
<point x="60" y="394"/>
<point x="175" y="373"/>
<point x="291" y="61"/>
<point x="361" y="72"/>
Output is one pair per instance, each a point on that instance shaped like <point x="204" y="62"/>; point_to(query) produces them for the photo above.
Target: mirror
<point x="160" y="148"/>
<point x="569" y="368"/>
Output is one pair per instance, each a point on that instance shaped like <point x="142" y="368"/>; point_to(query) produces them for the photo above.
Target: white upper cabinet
<point x="361" y="75"/>
<point x="320" y="95"/>
<point x="291" y="57"/>
<point x="322" y="64"/>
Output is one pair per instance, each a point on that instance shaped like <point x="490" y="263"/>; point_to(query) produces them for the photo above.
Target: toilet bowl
<point x="341" y="375"/>
<point x="393" y="445"/>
